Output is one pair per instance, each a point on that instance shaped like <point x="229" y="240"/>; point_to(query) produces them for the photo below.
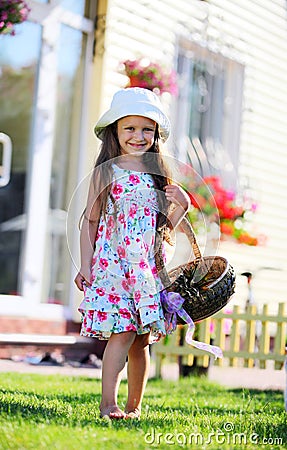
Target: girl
<point x="130" y="197"/>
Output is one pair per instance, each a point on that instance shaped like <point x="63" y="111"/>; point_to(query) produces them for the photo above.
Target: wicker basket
<point x="206" y="283"/>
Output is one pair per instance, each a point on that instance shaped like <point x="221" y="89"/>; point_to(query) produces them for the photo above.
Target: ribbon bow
<point x="172" y="303"/>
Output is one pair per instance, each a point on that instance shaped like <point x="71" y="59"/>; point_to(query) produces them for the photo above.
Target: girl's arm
<point x="176" y="195"/>
<point x="87" y="238"/>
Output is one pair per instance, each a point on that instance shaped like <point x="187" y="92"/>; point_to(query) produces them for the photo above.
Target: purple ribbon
<point x="172" y="303"/>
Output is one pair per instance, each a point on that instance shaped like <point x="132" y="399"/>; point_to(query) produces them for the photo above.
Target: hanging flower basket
<point x="150" y="75"/>
<point x="12" y="12"/>
<point x="212" y="201"/>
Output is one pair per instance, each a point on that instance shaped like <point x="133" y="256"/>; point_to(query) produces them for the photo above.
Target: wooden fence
<point x="247" y="339"/>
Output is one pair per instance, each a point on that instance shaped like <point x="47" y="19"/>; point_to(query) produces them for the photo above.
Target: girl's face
<point x="135" y="134"/>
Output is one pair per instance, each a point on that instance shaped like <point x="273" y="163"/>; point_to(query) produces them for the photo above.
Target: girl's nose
<point x="139" y="135"/>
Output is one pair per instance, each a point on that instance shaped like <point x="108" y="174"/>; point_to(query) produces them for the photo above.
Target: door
<point x="18" y="86"/>
<point x="43" y="85"/>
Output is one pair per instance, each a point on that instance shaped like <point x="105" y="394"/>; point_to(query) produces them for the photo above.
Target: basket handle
<point x="187" y="228"/>
<point x="159" y="262"/>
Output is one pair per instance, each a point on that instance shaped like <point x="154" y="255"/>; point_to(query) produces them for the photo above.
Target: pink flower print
<point x="117" y="190"/>
<point x="121" y="251"/>
<point x="134" y="179"/>
<point x="102" y="316"/>
<point x="100" y="291"/>
<point x="103" y="263"/>
<point x="127" y="240"/>
<point x="125" y="285"/>
<point x="110" y="222"/>
<point x="143" y="264"/>
<point x="153" y="307"/>
<point x="137" y="296"/>
<point x="130" y="327"/>
<point x="113" y="298"/>
<point x="133" y="210"/>
<point x="108" y="233"/>
<point x="121" y="218"/>
<point x="153" y="222"/>
<point x="124" y="312"/>
<point x="154" y="270"/>
<point x="132" y="280"/>
<point x="146" y="211"/>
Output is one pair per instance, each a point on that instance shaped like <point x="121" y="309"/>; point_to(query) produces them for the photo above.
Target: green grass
<point x="61" y="413"/>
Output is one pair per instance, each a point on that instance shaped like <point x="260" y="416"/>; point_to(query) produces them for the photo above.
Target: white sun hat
<point x="135" y="102"/>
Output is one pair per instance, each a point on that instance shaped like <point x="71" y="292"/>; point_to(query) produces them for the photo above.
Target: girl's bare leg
<point x="138" y="372"/>
<point x="113" y="364"/>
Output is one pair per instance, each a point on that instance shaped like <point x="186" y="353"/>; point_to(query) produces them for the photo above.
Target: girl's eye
<point x="150" y="130"/>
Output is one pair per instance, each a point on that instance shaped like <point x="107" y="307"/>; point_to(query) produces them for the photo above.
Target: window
<point x="208" y="111"/>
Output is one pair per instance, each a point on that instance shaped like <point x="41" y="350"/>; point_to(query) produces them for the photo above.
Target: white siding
<point x="254" y="33"/>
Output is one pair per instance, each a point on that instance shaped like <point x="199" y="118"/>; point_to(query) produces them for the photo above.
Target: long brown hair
<point x="152" y="159"/>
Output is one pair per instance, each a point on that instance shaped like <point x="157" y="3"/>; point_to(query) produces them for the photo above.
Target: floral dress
<point x="125" y="290"/>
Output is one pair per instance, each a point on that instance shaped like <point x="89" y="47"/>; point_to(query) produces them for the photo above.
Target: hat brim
<point x="144" y="109"/>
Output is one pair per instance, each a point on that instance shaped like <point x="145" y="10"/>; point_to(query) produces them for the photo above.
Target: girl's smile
<point x="136" y="134"/>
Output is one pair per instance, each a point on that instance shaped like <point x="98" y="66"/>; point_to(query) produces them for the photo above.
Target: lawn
<point x="61" y="413"/>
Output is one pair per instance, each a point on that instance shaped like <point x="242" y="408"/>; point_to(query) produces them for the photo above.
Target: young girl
<point x="130" y="198"/>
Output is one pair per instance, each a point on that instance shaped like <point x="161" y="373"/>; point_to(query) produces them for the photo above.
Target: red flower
<point x="121" y="251"/>
<point x="130" y="327"/>
<point x="117" y="190"/>
<point x="124" y="312"/>
<point x="137" y="295"/>
<point x="134" y="179"/>
<point x="100" y="291"/>
<point x="143" y="264"/>
<point x="127" y="240"/>
<point x="132" y="211"/>
<point x="102" y="316"/>
<point x="103" y="263"/>
<point x="114" y="299"/>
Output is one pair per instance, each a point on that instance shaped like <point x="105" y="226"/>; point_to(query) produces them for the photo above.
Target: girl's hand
<point x="175" y="194"/>
<point x="83" y="277"/>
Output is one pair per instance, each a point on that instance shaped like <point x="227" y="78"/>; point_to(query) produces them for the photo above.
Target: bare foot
<point x="133" y="414"/>
<point x="112" y="412"/>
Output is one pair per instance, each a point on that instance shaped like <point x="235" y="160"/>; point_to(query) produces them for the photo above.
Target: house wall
<point x="253" y="33"/>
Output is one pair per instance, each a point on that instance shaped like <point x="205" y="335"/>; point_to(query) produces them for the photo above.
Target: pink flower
<point x="124" y="312"/>
<point x="154" y="270"/>
<point x="121" y="252"/>
<point x="130" y="281"/>
<point x="121" y="218"/>
<point x="100" y="291"/>
<point x="127" y="240"/>
<point x="102" y="316"/>
<point x="143" y="264"/>
<point x="103" y="263"/>
<point x="134" y="179"/>
<point x="117" y="190"/>
<point x="110" y="222"/>
<point x="137" y="295"/>
<point x="130" y="327"/>
<point x="153" y="307"/>
<point x="113" y="298"/>
<point x="125" y="285"/>
<point x="133" y="210"/>
<point x="147" y="211"/>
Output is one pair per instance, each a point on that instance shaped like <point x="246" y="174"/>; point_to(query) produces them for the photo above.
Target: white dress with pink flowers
<point x="125" y="290"/>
